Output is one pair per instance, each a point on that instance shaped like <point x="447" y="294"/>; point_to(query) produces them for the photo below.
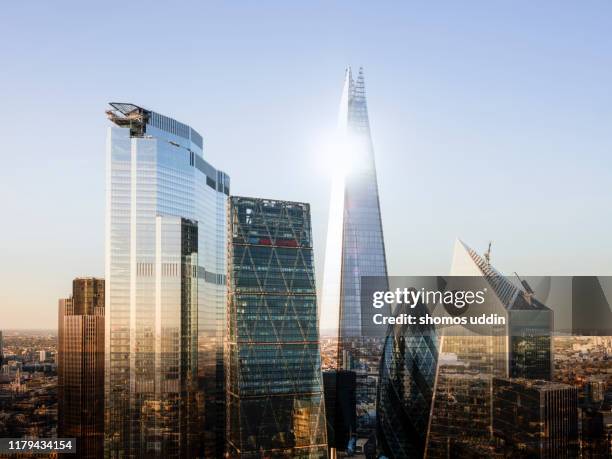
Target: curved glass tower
<point x="165" y="289"/>
<point x="407" y="378"/>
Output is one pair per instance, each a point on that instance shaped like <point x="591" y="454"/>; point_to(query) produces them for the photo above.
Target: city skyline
<point x="348" y="293"/>
<point x="464" y="100"/>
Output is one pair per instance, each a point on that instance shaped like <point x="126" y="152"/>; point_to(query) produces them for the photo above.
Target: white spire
<point x="347" y="94"/>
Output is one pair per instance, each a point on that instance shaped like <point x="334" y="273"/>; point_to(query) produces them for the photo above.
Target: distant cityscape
<point x="28" y="386"/>
<point x="203" y="338"/>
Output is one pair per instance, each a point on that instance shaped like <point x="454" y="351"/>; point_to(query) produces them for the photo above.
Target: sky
<point x="490" y="121"/>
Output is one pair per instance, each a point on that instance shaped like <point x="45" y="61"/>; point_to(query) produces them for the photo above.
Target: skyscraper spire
<point x="347" y="91"/>
<point x="358" y="120"/>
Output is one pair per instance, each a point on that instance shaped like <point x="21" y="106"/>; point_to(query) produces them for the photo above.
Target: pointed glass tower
<point x="355" y="245"/>
<point x="363" y="246"/>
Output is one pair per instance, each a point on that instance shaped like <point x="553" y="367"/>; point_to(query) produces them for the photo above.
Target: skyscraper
<point x="80" y="366"/>
<point x="275" y="402"/>
<point x="165" y="301"/>
<point x="529" y="322"/>
<point x="1" y="349"/>
<point x="355" y="244"/>
<point x="470" y="358"/>
<point x="340" y="407"/>
<point x="535" y="418"/>
<point x="407" y="378"/>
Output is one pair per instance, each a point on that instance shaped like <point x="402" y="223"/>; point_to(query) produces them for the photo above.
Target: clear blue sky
<point x="490" y="121"/>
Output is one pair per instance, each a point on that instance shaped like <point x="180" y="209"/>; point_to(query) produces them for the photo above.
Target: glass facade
<point x="362" y="250"/>
<point x="535" y="418"/>
<point x="462" y="406"/>
<point x="355" y="248"/>
<point x="165" y="301"/>
<point x="340" y="407"/>
<point x="275" y="402"/>
<point x="407" y="378"/>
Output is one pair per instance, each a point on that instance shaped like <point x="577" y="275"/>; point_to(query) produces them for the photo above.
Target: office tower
<point x="340" y="407"/>
<point x="595" y="390"/>
<point x="355" y="245"/>
<point x="80" y="366"/>
<point x="275" y="402"/>
<point x="534" y="418"/>
<point x="165" y="302"/>
<point x="407" y="377"/>
<point x="529" y="322"/>
<point x="471" y="357"/>
<point x="529" y="331"/>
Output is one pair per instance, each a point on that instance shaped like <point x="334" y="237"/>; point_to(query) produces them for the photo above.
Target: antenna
<point x="487" y="254"/>
<point x="528" y="294"/>
<point x="524" y="283"/>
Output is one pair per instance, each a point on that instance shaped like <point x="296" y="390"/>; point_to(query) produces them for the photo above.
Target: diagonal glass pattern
<point x="407" y="377"/>
<point x="273" y="364"/>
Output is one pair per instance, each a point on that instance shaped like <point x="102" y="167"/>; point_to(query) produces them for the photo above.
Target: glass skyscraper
<point x="469" y="360"/>
<point x="535" y="418"/>
<point x="529" y="324"/>
<point x="165" y="297"/>
<point x="275" y="401"/>
<point x="361" y="248"/>
<point x="355" y="246"/>
<point x="407" y="378"/>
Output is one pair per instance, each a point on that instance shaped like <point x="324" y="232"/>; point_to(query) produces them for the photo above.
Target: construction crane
<point x="487" y="254"/>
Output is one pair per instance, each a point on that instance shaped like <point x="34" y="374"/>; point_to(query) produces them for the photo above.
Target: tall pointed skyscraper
<point x="355" y="244"/>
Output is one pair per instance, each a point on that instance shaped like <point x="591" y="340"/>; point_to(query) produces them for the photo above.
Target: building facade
<point x="80" y="366"/>
<point x="534" y="418"/>
<point x="407" y="377"/>
<point x="340" y="407"/>
<point x="470" y="357"/>
<point x="165" y="301"/>
<point x="275" y="402"/>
